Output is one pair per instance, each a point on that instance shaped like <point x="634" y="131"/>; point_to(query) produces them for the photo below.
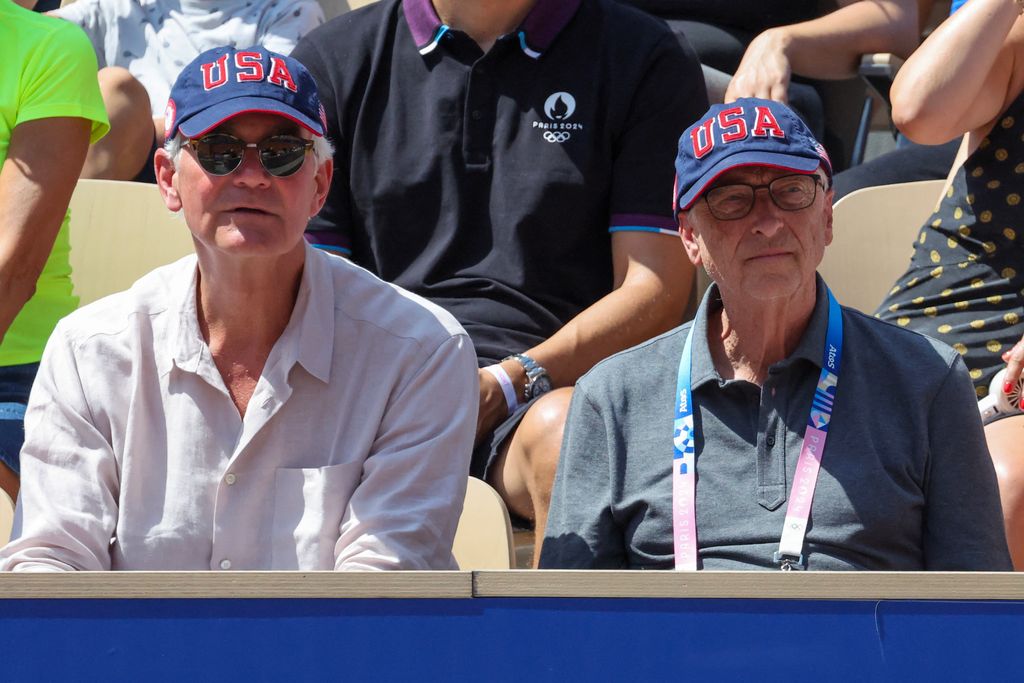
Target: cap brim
<point x="786" y="162"/>
<point x="209" y="119"/>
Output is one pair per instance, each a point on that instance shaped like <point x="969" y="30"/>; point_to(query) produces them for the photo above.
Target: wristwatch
<point x="537" y="380"/>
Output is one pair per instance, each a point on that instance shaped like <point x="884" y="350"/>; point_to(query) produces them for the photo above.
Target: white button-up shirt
<point x="353" y="452"/>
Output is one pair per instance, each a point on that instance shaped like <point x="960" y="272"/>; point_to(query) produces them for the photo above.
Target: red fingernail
<point x="1007" y="387"/>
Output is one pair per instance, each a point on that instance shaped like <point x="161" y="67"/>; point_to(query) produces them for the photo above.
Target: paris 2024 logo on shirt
<point x="558" y="110"/>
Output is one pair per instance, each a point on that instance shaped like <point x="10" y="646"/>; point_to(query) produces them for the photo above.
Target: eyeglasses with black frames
<point x="220" y="154"/>
<point x="789" y="192"/>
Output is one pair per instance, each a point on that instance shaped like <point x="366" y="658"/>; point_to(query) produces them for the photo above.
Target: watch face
<point x="541" y="385"/>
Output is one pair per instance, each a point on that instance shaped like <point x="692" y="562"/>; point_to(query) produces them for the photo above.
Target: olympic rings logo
<point x="560" y="136"/>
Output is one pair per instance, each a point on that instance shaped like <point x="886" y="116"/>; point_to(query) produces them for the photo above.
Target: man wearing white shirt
<point x="261" y="405"/>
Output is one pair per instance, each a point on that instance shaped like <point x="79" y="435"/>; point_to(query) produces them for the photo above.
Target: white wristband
<point x="506" y="386"/>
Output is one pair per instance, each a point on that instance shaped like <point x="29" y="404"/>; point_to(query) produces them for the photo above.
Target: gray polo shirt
<point x="906" y="481"/>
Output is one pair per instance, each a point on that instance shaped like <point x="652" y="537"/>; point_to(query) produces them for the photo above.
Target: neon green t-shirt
<point x="47" y="69"/>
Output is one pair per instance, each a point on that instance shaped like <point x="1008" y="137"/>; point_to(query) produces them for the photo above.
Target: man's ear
<point x="688" y="237"/>
<point x="163" y="166"/>
<point x="324" y="173"/>
<point x="829" y="194"/>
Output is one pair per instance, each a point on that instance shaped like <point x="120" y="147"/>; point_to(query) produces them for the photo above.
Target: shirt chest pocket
<point x="309" y="504"/>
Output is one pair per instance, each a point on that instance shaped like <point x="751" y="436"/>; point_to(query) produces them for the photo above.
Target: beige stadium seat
<point x="873" y="234"/>
<point x="119" y="232"/>
<point x="333" y="8"/>
<point x="6" y="517"/>
<point x="483" y="539"/>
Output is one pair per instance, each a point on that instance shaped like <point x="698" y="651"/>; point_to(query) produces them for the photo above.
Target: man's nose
<point x="766" y="214"/>
<point x="250" y="170"/>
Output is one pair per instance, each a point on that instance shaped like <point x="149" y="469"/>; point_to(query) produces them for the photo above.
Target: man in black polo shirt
<point x="485" y="150"/>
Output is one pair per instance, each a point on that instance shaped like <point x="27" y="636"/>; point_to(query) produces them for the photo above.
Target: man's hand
<point x="764" y="71"/>
<point x="493" y="407"/>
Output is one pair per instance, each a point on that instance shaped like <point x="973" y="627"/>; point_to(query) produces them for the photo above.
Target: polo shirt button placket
<point x="479" y="133"/>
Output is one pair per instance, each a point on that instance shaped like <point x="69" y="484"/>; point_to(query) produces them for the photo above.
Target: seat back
<point x="483" y="539"/>
<point x="119" y="232"/>
<point x="6" y="517"/>
<point x="873" y="234"/>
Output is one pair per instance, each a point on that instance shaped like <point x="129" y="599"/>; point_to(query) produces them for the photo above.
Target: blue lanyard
<point x="684" y="458"/>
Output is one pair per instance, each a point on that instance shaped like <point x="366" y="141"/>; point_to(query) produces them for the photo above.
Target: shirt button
<point x="230" y="479"/>
<point x="476" y="114"/>
<point x="770" y="441"/>
<point x="225" y="564"/>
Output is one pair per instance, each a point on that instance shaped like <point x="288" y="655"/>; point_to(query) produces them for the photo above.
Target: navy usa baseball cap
<point x="747" y="132"/>
<point x="223" y="82"/>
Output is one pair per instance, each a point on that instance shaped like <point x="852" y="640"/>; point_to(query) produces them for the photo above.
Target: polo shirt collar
<point x="536" y="34"/>
<point x="810" y="347"/>
<point x="813" y="342"/>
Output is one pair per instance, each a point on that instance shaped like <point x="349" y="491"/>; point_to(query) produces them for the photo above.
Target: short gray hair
<point x="322" y="148"/>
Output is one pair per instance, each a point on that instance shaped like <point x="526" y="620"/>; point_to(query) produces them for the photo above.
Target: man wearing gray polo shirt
<point x="778" y="429"/>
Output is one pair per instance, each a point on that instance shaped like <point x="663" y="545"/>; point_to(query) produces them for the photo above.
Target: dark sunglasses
<point x="220" y="153"/>
<point x="789" y="193"/>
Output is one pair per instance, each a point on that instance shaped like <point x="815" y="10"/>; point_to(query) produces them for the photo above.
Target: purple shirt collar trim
<point x="536" y="34"/>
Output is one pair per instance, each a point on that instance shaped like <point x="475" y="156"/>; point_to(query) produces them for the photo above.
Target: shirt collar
<point x="810" y="347"/>
<point x="536" y="34"/>
<point x="310" y="330"/>
<point x="308" y="339"/>
<point x="183" y="332"/>
<point x="316" y="324"/>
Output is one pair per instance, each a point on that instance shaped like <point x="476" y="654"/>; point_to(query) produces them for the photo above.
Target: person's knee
<point x="542" y="429"/>
<point x="525" y="470"/>
<point x="1006" y="444"/>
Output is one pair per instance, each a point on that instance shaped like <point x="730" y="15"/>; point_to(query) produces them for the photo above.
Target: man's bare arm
<point x="653" y="280"/>
<point x="964" y="75"/>
<point x="828" y="47"/>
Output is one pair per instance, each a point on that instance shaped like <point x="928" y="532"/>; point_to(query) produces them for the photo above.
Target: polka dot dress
<point x="964" y="283"/>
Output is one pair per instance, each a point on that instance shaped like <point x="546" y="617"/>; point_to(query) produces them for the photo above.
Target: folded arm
<point x="404" y="512"/>
<point x="963" y="525"/>
<point x="581" y="532"/>
<point x="68" y="505"/>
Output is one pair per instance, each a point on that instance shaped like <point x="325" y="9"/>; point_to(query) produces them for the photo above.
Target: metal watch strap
<point x="533" y="371"/>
